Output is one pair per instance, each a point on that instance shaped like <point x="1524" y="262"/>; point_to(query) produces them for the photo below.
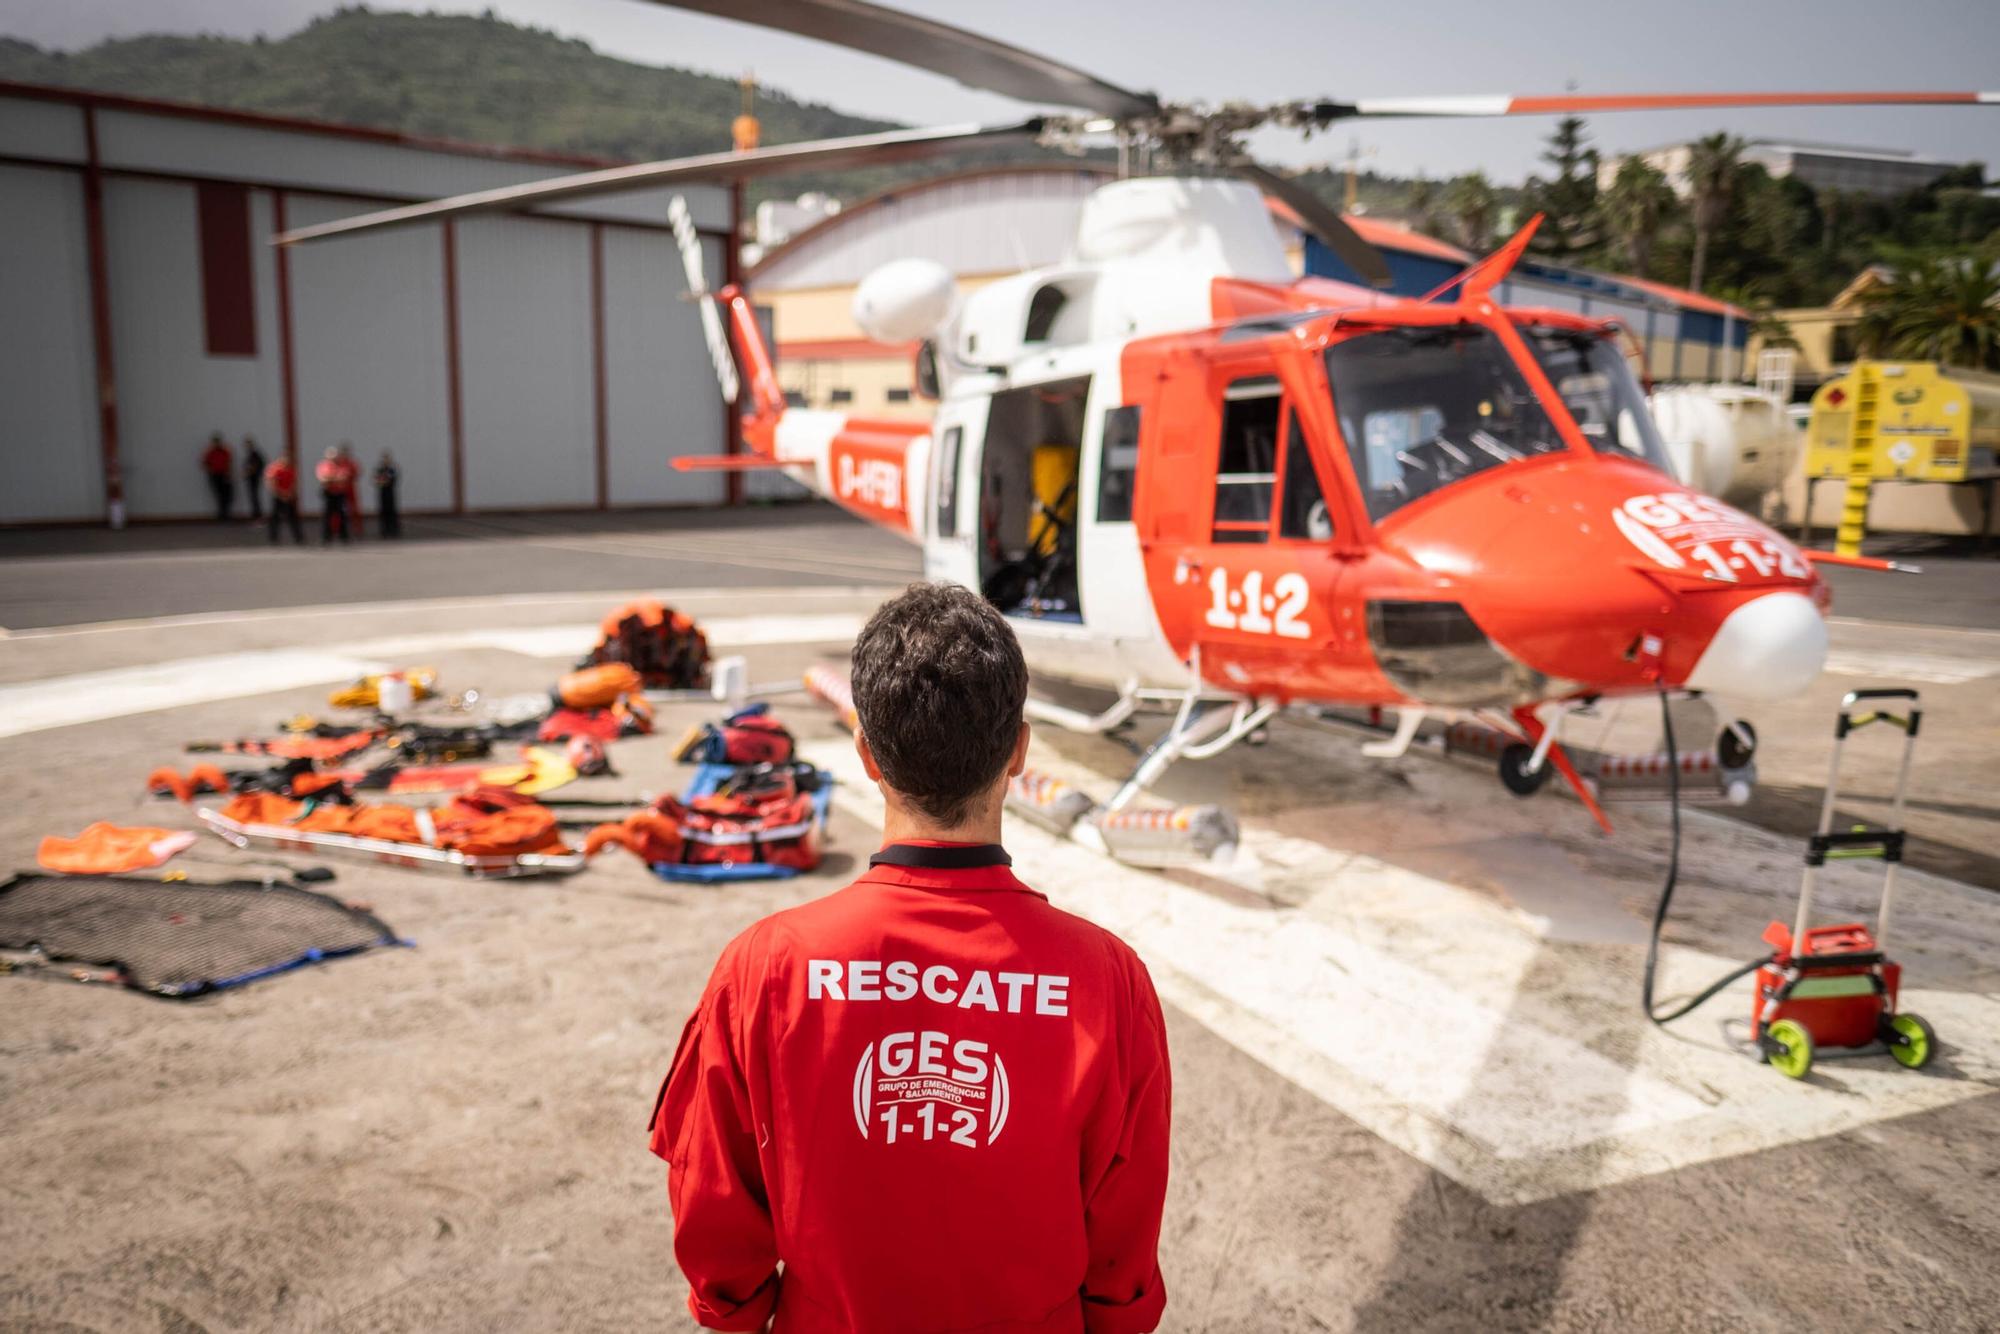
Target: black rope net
<point x="176" y="938"/>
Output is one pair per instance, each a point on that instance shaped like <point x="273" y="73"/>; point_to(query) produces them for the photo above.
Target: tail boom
<point x="871" y="467"/>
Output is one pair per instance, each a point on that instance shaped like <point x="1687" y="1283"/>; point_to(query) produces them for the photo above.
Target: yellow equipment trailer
<point x="1902" y="421"/>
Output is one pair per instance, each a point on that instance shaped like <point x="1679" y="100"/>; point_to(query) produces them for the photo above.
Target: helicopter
<point x="1217" y="489"/>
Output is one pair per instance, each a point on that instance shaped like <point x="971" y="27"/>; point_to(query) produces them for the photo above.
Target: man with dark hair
<point x="929" y="1101"/>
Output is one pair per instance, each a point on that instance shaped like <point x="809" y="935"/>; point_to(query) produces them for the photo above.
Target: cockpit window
<point x="1597" y="387"/>
<point x="1423" y="408"/>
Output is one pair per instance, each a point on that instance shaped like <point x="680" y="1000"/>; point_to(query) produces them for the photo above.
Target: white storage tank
<point x="1729" y="441"/>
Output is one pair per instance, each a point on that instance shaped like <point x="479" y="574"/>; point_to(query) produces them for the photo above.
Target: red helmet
<point x="585" y="754"/>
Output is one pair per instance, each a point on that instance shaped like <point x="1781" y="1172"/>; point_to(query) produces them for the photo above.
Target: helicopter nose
<point x="1771" y="647"/>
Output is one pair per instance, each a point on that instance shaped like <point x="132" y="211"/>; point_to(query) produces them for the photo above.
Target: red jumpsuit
<point x="937" y="1101"/>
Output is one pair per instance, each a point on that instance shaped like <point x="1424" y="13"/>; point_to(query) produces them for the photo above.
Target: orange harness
<point x="483" y="821"/>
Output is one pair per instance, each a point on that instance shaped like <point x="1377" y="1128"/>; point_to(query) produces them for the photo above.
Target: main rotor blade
<point x="1321" y="220"/>
<point x="1571" y="105"/>
<point x="973" y="60"/>
<point x="857" y="150"/>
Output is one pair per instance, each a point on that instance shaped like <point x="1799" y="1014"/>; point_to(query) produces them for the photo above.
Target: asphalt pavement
<point x="1412" y="1088"/>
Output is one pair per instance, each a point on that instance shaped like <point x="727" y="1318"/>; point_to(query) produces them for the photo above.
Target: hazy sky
<point x="1264" y="50"/>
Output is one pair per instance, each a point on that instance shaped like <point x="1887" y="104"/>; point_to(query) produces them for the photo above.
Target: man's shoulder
<point x="857" y="909"/>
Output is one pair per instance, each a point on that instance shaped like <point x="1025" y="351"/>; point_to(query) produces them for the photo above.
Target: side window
<point x="1302" y="512"/>
<point x="947" y="482"/>
<point x="1247" y="464"/>
<point x="1118" y="465"/>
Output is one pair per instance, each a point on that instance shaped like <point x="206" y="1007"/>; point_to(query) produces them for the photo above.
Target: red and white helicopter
<point x="1210" y="486"/>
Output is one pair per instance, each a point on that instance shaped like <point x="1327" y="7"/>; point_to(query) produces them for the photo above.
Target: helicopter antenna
<point x="1481" y="278"/>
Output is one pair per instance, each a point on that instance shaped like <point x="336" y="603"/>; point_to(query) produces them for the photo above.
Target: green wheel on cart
<point x="1791" y="1054"/>
<point x="1910" y="1040"/>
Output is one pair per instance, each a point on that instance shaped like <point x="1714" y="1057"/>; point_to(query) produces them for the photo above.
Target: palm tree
<point x="1712" y="169"/>
<point x="1472" y="201"/>
<point x="1938" y="307"/>
<point x="1638" y="201"/>
<point x="1422" y="205"/>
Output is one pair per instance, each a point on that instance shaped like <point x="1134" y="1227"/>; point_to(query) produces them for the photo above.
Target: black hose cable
<point x="1667" y="894"/>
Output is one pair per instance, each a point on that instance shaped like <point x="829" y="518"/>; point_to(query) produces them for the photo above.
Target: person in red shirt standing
<point x="931" y="1100"/>
<point x="335" y="473"/>
<point x="220" y="469"/>
<point x="283" y="480"/>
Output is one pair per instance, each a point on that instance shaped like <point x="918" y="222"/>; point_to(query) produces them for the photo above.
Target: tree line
<point x="1761" y="241"/>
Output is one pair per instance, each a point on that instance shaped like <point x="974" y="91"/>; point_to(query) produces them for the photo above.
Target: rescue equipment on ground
<point x="104" y="848"/>
<point x="603" y="725"/>
<point x="604" y="702"/>
<point x="748" y="736"/>
<point x="175" y="937"/>
<point x="665" y="647"/>
<point x="320" y="743"/>
<point x="391" y="692"/>
<point x="1825" y="986"/>
<point x="166" y="781"/>
<point x="586" y="756"/>
<point x="755" y="822"/>
<point x="483" y="832"/>
<point x="539" y="770"/>
<point x="597" y="687"/>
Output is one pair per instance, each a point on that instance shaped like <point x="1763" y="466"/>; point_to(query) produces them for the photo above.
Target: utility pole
<point x="1355" y="153"/>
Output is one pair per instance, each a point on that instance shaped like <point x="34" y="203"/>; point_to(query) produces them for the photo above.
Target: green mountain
<point x="483" y="80"/>
<point x="475" y="78"/>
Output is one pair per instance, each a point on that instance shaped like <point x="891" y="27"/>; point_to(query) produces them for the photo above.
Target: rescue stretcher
<point x="707" y="779"/>
<point x="414" y="856"/>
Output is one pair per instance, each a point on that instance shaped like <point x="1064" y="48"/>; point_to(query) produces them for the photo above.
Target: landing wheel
<point x="1910" y="1040"/>
<point x="1731" y="750"/>
<point x="1789" y="1048"/>
<point x="1514" y="770"/>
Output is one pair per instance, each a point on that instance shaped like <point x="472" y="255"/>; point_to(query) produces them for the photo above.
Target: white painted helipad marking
<point x="675" y="597"/>
<point x="65" y="701"/>
<point x="88" y="697"/>
<point x="569" y="641"/>
<point x="1930" y="668"/>
<point x="1423" y="1011"/>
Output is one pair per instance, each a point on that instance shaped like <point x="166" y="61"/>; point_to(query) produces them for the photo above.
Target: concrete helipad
<point x="1413" y="1089"/>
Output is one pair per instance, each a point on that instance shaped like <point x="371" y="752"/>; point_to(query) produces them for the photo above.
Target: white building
<point x="511" y="362"/>
<point x="1838" y="167"/>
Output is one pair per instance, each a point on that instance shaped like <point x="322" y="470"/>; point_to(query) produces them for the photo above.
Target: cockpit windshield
<point x="1597" y="387"/>
<point x="1422" y="408"/>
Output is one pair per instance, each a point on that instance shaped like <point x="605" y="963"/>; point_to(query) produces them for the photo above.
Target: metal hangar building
<point x="540" y="361"/>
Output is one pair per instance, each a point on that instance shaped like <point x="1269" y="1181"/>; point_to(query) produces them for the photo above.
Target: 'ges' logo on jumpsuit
<point x="923" y="1084"/>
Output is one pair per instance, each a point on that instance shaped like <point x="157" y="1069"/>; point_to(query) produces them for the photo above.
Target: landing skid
<point x="1726" y="772"/>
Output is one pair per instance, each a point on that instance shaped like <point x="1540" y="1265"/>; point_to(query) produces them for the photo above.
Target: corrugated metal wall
<point x="661" y="399"/>
<point x="171" y="393"/>
<point x="368" y="350"/>
<point x="370" y="361"/>
<point x="51" y="466"/>
<point x="524" y="337"/>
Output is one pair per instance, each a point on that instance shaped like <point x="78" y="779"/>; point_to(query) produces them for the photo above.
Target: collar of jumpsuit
<point x="905" y="1106"/>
